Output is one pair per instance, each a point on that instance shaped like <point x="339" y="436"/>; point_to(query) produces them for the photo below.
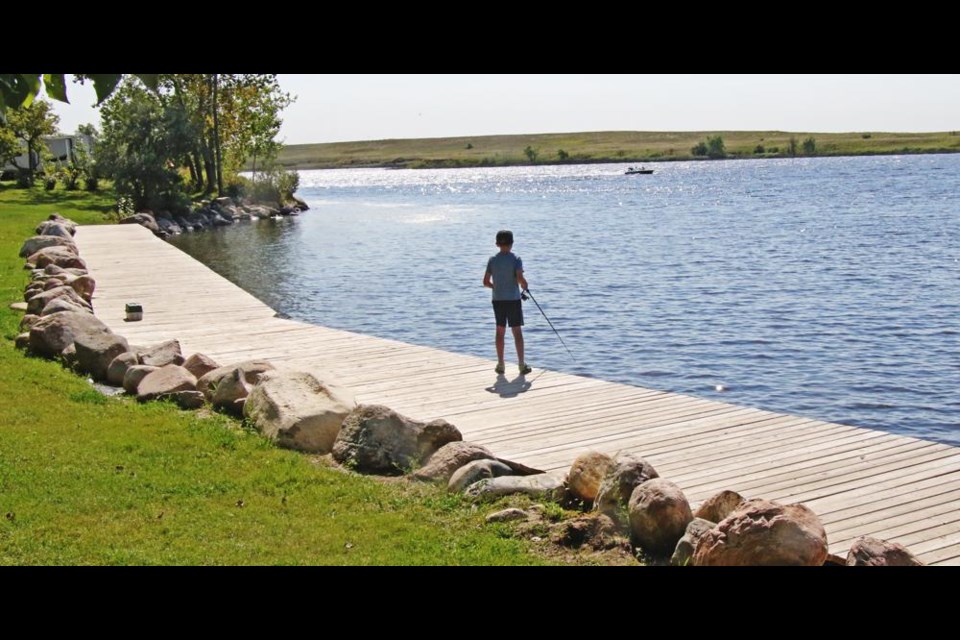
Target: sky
<point x="347" y="107"/>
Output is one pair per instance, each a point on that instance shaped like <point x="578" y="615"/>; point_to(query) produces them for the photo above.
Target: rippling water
<point x="825" y="287"/>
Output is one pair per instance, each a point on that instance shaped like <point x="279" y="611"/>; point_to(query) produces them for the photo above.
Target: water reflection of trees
<point x="249" y="254"/>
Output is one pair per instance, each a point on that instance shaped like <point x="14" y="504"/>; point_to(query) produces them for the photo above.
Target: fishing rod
<point x="523" y="295"/>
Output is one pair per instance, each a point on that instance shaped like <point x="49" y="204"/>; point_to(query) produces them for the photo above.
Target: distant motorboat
<point x="632" y="171"/>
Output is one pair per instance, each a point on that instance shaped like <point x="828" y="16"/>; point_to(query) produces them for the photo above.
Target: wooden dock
<point x="859" y="481"/>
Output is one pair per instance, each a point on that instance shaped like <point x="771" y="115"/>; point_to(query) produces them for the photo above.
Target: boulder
<point x="54" y="228"/>
<point x="449" y="458"/>
<point x="164" y="380"/>
<point x="84" y="286"/>
<point x="627" y="473"/>
<point x="586" y="473"/>
<point x="169" y="227"/>
<point x="765" y="533"/>
<point x="36" y="304"/>
<point x="59" y="305"/>
<point x="58" y="255"/>
<point x="474" y="472"/>
<point x="252" y="370"/>
<point x="298" y="411"/>
<point x="68" y="357"/>
<point x="659" y="515"/>
<point x="117" y="368"/>
<point x="22" y="341"/>
<point x="59" y="219"/>
<point x="96" y="351"/>
<point x="162" y="354"/>
<point x="52" y="334"/>
<point x="36" y="243"/>
<point x="232" y="393"/>
<point x="200" y="365"/>
<point x="27" y="321"/>
<point x="683" y="553"/>
<point x="52" y="283"/>
<point x="873" y="552"/>
<point x="377" y="439"/>
<point x="144" y="220"/>
<point x="19" y="306"/>
<point x="539" y="487"/>
<point x="134" y="375"/>
<point x="53" y="270"/>
<point x="718" y="506"/>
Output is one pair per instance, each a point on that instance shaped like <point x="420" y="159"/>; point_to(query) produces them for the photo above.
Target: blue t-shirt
<point x="503" y="268"/>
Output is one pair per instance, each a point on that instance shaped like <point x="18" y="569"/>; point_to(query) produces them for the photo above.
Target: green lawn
<point x="600" y="146"/>
<point x="90" y="480"/>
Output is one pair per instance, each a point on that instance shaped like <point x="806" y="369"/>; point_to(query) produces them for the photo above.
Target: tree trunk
<point x="199" y="166"/>
<point x="216" y="135"/>
<point x="193" y="171"/>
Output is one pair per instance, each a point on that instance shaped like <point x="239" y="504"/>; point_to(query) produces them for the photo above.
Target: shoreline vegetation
<point x="606" y="147"/>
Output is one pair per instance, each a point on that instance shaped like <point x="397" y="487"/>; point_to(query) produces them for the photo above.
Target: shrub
<point x="91" y="183"/>
<point x="759" y="149"/>
<point x="50" y="183"/>
<point x="700" y="149"/>
<point x="866" y="136"/>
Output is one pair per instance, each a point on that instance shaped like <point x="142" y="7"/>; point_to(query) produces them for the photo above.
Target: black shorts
<point x="508" y="311"/>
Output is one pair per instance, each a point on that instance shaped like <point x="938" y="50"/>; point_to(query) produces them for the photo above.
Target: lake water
<point x="824" y="287"/>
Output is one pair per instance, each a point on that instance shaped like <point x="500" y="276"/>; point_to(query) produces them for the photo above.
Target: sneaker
<point x="525" y="368"/>
<point x="500" y="368"/>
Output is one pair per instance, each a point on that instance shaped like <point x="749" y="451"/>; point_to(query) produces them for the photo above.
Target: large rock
<point x="873" y="552"/>
<point x="168" y="379"/>
<point x="59" y="305"/>
<point x="659" y="515"/>
<point x="96" y="351"/>
<point x="84" y="286"/>
<point x="38" y="302"/>
<point x="377" y="439"/>
<point x="27" y="321"/>
<point x="586" y="473"/>
<point x="56" y="218"/>
<point x="252" y="370"/>
<point x="52" y="334"/>
<point x="683" y="553"/>
<point x="200" y="365"/>
<point x="540" y="487"/>
<point x="162" y="354"/>
<point x="232" y="392"/>
<point x="765" y="533"/>
<point x="135" y="375"/>
<point x="144" y="220"/>
<point x="718" y="506"/>
<point x="36" y="243"/>
<point x="54" y="228"/>
<point x="117" y="368"/>
<point x="449" y="458"/>
<point x="474" y="472"/>
<point x="297" y="410"/>
<point x="22" y="341"/>
<point x="627" y="473"/>
<point x="60" y="256"/>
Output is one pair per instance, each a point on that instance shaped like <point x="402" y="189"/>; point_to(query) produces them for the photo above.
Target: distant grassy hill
<point x="603" y="146"/>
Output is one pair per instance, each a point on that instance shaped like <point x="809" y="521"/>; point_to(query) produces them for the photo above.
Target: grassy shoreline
<point x="601" y="147"/>
<point x="91" y="480"/>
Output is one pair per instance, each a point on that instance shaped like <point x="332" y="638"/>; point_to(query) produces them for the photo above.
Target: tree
<point x="531" y="154"/>
<point x="716" y="148"/>
<point x="30" y="124"/>
<point x="137" y="149"/>
<point x="809" y="146"/>
<point x="10" y="146"/>
<point x="700" y="149"/>
<point x="792" y="146"/>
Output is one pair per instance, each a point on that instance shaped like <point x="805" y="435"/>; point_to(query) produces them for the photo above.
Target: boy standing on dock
<point x="505" y="276"/>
